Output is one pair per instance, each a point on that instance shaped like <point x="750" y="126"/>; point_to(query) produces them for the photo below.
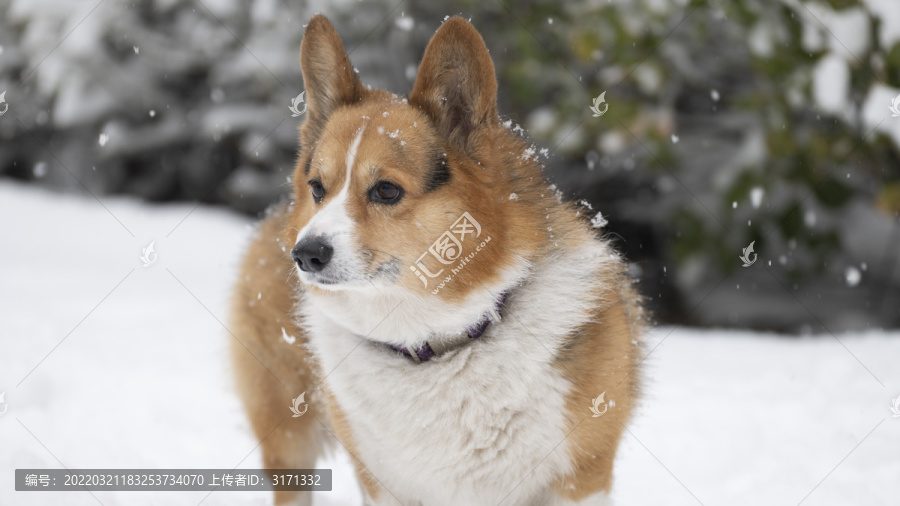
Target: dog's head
<point x="406" y="192"/>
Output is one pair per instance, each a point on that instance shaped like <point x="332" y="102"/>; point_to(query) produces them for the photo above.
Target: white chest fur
<point x="478" y="425"/>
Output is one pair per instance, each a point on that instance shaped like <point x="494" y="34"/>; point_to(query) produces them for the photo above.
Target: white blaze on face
<point x="333" y="223"/>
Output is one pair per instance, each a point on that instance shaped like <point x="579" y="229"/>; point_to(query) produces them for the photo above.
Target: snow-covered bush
<point x="166" y="99"/>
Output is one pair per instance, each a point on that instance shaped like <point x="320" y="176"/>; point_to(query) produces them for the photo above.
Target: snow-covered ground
<point x="109" y="364"/>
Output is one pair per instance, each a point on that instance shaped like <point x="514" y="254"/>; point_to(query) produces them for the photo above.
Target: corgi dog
<point x="443" y="314"/>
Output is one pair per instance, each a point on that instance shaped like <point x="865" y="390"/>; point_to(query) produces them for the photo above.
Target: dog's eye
<point x="386" y="193"/>
<point x="318" y="191"/>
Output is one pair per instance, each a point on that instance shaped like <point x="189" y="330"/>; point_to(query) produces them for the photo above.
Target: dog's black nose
<point x="312" y="255"/>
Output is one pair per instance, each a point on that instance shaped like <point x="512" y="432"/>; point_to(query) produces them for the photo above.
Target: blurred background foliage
<point x="728" y="122"/>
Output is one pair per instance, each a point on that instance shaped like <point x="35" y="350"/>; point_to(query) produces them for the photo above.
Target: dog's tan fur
<point x="455" y="113"/>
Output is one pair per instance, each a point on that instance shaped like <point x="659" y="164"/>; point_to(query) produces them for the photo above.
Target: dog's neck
<point x="435" y="347"/>
<point x="393" y="315"/>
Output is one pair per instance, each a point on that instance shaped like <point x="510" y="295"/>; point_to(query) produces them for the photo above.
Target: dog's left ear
<point x="456" y="84"/>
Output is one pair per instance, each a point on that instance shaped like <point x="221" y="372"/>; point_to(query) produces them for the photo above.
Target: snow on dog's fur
<point x="405" y="230"/>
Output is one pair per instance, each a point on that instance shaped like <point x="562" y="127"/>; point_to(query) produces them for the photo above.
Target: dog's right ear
<point x="328" y="76"/>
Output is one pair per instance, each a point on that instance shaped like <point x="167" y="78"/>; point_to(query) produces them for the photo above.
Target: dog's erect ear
<point x="456" y="84"/>
<point x="328" y="76"/>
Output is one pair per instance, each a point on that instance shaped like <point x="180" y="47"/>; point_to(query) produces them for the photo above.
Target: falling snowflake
<point x="286" y="337"/>
<point x="756" y="196"/>
<point x="405" y="23"/>
<point x="809" y="218"/>
<point x="852" y="275"/>
<point x="598" y="221"/>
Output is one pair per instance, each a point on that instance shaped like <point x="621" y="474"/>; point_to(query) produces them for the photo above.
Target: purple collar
<point x="428" y="350"/>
